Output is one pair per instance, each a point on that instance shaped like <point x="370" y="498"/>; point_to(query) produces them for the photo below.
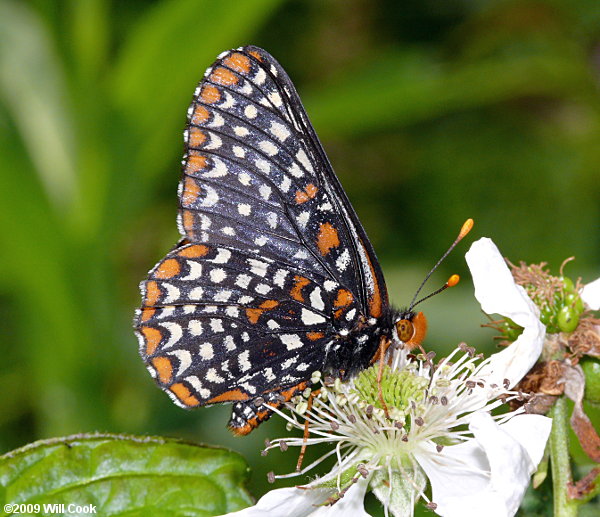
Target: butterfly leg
<point x="383" y="346"/>
<point x="311" y="397"/>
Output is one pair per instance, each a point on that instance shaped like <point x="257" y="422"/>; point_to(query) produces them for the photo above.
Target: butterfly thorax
<point x="350" y="352"/>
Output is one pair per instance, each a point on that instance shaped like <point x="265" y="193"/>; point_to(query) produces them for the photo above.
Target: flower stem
<point x="560" y="462"/>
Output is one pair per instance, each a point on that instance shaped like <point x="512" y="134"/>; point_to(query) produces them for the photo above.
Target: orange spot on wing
<point x="223" y="76"/>
<point x="313" y="336"/>
<point x="299" y="283"/>
<point x="344" y="298"/>
<point x="147" y="313"/>
<point x="152" y="337"/>
<point x="184" y="394"/>
<point x="254" y="314"/>
<point x="195" y="251"/>
<point x="152" y="293"/>
<point x="190" y="193"/>
<point x="327" y="239"/>
<point x="195" y="163"/>
<point x="164" y="368"/>
<point x="309" y="192"/>
<point x="255" y="54"/>
<point x="210" y="94"/>
<point x="200" y="115"/>
<point x="168" y="269"/>
<point x="188" y="221"/>
<point x="230" y="396"/>
<point x="196" y="139"/>
<point x="237" y="62"/>
<point x="375" y="301"/>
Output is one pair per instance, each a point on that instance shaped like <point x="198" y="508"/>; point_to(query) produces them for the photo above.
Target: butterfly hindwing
<point x="219" y="325"/>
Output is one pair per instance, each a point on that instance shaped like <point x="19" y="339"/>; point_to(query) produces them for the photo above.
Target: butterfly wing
<point x="274" y="265"/>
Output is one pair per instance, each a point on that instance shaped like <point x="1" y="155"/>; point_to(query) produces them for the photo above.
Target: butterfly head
<point x="411" y="328"/>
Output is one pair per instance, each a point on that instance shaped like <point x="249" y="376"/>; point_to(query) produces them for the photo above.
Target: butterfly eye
<point x="405" y="330"/>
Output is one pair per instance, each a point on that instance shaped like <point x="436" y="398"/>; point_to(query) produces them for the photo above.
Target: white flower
<point x="590" y="294"/>
<point x="438" y="427"/>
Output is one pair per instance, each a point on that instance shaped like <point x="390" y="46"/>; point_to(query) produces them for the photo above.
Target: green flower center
<point x="399" y="388"/>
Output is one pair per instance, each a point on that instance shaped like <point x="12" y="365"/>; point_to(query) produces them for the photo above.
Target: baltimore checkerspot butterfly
<point x="274" y="277"/>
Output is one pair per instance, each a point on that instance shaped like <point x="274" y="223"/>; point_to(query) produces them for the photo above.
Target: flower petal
<point x="350" y="505"/>
<point x="284" y="501"/>
<point x="497" y="292"/>
<point x="490" y="473"/>
<point x="297" y="502"/>
<point x="590" y="294"/>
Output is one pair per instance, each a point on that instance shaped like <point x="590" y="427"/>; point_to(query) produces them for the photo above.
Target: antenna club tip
<point x="466" y="228"/>
<point x="453" y="280"/>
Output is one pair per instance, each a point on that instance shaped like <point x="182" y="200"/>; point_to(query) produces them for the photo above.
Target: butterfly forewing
<point x="274" y="266"/>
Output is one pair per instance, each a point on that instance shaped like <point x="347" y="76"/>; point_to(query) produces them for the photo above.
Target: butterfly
<point x="274" y="277"/>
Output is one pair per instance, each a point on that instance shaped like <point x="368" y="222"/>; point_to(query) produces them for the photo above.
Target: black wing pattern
<point x="274" y="273"/>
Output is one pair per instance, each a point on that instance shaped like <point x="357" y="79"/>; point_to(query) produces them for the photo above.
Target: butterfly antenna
<point x="454" y="279"/>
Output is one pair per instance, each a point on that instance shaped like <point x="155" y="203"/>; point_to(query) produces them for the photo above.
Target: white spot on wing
<point x="185" y="360"/>
<point x="275" y="98"/>
<point x="291" y="341"/>
<point x="268" y="147"/>
<point x="196" y="293"/>
<point x="216" y="325"/>
<point x="214" y="142"/>
<point x="197" y="385"/>
<point x="302" y="219"/>
<point x="195" y="327"/>
<point x="262" y="289"/>
<point x="240" y="130"/>
<point x="258" y="267"/>
<point x="343" y="260"/>
<point x="303" y="159"/>
<point x="315" y="299"/>
<point x="244" y="360"/>
<point x="244" y="209"/>
<point x="213" y="376"/>
<point x="195" y="271"/>
<point x="223" y="256"/>
<point x="280" y="131"/>
<point x="175" y="331"/>
<point x="217" y="275"/>
<point x="279" y="277"/>
<point x="211" y="198"/>
<point x="242" y="281"/>
<point x="272" y="220"/>
<point x="173" y="293"/>
<point x="222" y="296"/>
<point x="244" y="178"/>
<point x="250" y="111"/>
<point x="218" y="170"/>
<point x="260" y="76"/>
<point x="265" y="191"/>
<point x="310" y="318"/>
<point x="263" y="165"/>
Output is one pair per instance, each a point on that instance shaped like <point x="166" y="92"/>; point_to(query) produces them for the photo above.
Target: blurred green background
<point x="431" y="111"/>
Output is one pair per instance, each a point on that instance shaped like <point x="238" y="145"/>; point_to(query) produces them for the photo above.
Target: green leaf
<point x="125" y="475"/>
